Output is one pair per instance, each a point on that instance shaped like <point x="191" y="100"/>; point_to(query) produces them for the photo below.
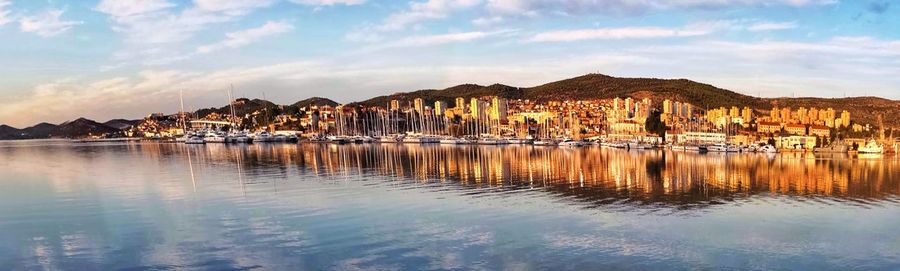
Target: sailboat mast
<point x="183" y="123"/>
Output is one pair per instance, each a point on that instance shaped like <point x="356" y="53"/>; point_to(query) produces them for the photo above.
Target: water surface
<point x="140" y="206"/>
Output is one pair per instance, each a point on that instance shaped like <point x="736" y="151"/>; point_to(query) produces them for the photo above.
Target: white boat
<point x="337" y="139"/>
<point x="214" y="137"/>
<point x="194" y="140"/>
<point x="679" y="147"/>
<point x="718" y="147"/>
<point x="263" y="137"/>
<point x="387" y="139"/>
<point x="545" y="142"/>
<point x="571" y="143"/>
<point x="732" y="148"/>
<point x="488" y="141"/>
<point x="641" y="146"/>
<point x="749" y="148"/>
<point x="834" y="147"/>
<point x="871" y="147"/>
<point x="454" y="141"/>
<point x="693" y="148"/>
<point x="767" y="149"/>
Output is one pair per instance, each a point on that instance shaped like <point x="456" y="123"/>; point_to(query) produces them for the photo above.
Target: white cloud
<point x="422" y="11"/>
<point x="531" y="7"/>
<point x="769" y="26"/>
<point x="248" y="36"/>
<point x="692" y="30"/>
<point x="125" y="10"/>
<point x="328" y="2"/>
<point x="854" y="65"/>
<point x="430" y="40"/>
<point x="156" y="21"/>
<point x="231" y="7"/>
<point x="4" y="13"/>
<point x="47" y="24"/>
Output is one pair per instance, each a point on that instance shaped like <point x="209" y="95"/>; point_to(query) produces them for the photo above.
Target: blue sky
<point x="59" y="59"/>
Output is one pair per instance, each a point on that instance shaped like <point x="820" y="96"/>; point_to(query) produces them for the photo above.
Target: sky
<point x="105" y="59"/>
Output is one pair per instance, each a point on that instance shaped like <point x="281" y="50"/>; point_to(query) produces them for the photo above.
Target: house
<point x="768" y="127"/>
<point x="795" y="129"/>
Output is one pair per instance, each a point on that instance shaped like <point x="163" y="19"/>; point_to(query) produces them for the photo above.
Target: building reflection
<point x="595" y="175"/>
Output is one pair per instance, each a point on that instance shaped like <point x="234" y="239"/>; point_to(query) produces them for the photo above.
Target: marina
<point x="440" y="206"/>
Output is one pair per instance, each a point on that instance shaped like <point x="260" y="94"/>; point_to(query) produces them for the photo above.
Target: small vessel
<point x="488" y="141"/>
<point x="571" y="143"/>
<point x="214" y="137"/>
<point x="194" y="140"/>
<point x="263" y="137"/>
<point x="693" y="148"/>
<point x="679" y="147"/>
<point x="732" y="148"/>
<point x="834" y="147"/>
<point x="337" y="139"/>
<point x="748" y="148"/>
<point x="388" y="139"/>
<point x="545" y="142"/>
<point x="718" y="147"/>
<point x="238" y="137"/>
<point x="767" y="149"/>
<point x="871" y="147"/>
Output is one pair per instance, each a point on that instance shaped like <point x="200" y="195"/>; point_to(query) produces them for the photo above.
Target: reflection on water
<point x="597" y="175"/>
<point x="389" y="207"/>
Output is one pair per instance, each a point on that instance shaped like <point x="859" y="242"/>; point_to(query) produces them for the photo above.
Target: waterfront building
<point x="440" y="108"/>
<point x="845" y="118"/>
<point x="820" y="131"/>
<point x="395" y="105"/>
<point x="795" y="129"/>
<point x="461" y="104"/>
<point x="419" y="105"/>
<point x="795" y="142"/>
<point x="768" y="127"/>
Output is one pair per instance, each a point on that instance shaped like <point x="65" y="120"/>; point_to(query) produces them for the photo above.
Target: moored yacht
<point x="871" y="147"/>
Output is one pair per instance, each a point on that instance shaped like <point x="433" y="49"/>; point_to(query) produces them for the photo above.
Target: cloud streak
<point x="46" y="24"/>
<point x="769" y="26"/>
<point x="244" y="37"/>
<point x="693" y="30"/>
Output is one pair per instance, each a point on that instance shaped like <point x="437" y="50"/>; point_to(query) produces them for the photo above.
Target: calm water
<point x="401" y="207"/>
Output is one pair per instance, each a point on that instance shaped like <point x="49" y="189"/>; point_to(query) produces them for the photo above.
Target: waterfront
<point x="411" y="207"/>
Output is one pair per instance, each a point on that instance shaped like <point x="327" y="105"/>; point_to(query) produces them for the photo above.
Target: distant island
<point x="865" y="110"/>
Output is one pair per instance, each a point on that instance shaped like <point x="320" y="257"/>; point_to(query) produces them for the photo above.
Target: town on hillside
<point x="618" y="122"/>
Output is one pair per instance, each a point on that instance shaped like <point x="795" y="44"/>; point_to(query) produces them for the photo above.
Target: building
<point x="795" y="142"/>
<point x="667" y="107"/>
<point x="419" y="105"/>
<point x="440" y="108"/>
<point x="768" y="127"/>
<point x="747" y="115"/>
<point x="395" y="105"/>
<point x="477" y="108"/>
<point x="498" y="109"/>
<point x="795" y="129"/>
<point x="845" y="118"/>
<point x="820" y="131"/>
<point x="704" y="137"/>
<point x="461" y="104"/>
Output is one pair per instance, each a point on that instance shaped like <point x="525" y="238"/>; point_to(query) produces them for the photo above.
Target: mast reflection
<point x="597" y="176"/>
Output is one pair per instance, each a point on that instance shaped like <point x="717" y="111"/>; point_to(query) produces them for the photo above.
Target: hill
<point x="83" y="127"/>
<point x="599" y="86"/>
<point x="317" y="101"/>
<point x="71" y="129"/>
<point x="121" y="124"/>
